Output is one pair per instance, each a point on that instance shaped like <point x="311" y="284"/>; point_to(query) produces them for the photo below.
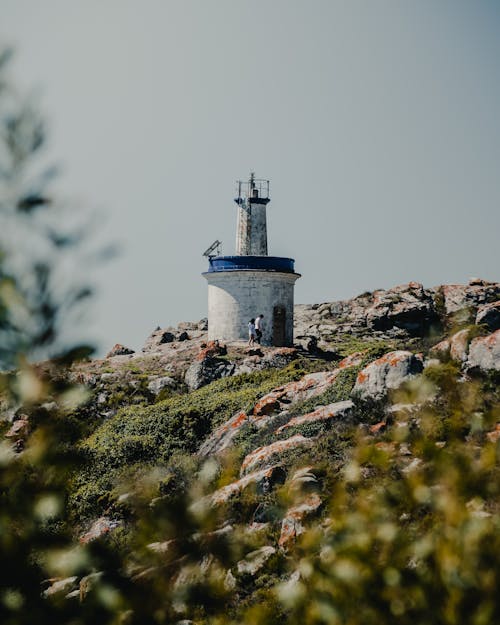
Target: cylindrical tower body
<point x="240" y="288"/>
<point x="251" y="232"/>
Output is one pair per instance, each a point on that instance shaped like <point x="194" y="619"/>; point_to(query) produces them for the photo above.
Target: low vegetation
<point x="147" y="436"/>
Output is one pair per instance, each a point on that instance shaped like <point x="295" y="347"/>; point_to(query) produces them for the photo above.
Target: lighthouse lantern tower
<point x="250" y="283"/>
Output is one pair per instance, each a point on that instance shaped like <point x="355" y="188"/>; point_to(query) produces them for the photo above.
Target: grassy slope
<point x="138" y="437"/>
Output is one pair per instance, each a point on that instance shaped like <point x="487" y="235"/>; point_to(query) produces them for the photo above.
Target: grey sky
<point x="377" y="123"/>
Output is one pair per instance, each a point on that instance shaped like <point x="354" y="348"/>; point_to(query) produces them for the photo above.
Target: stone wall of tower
<point x="258" y="231"/>
<point x="234" y="297"/>
<point x="251" y="230"/>
<point x="243" y="230"/>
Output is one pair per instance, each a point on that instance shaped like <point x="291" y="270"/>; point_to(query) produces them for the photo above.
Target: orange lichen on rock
<point x="362" y="377"/>
<point x="238" y="421"/>
<point x="266" y="406"/>
<point x="385" y="373"/>
<point x="211" y="349"/>
<point x="292" y="526"/>
<point x="494" y="435"/>
<point x="353" y="360"/>
<point x="378" y="427"/>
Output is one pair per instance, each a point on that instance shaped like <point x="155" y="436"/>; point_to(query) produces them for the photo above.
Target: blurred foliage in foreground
<point x="409" y="533"/>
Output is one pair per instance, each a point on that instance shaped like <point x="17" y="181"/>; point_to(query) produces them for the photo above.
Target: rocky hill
<point x="266" y="432"/>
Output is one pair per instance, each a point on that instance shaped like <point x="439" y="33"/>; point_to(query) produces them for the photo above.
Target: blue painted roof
<point x="259" y="263"/>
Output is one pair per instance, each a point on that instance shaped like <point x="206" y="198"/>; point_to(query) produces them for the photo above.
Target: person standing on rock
<point x="259" y="327"/>
<point x="251" y="332"/>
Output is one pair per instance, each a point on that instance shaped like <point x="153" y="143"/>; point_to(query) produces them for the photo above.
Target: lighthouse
<point x="251" y="282"/>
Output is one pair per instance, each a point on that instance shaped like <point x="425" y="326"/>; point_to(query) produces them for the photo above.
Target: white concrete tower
<point x="251" y="232"/>
<point x="250" y="283"/>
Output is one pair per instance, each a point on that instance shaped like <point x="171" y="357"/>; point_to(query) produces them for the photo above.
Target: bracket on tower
<point x="215" y="247"/>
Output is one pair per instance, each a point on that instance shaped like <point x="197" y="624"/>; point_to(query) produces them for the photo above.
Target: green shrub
<point x="152" y="434"/>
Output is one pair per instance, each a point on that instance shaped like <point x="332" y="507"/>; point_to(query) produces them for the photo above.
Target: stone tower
<point x="243" y="286"/>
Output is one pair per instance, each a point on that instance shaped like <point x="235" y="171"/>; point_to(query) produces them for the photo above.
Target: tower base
<point x="236" y="296"/>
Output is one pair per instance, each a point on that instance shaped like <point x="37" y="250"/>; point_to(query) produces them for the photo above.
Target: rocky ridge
<point x="359" y="353"/>
<point x="401" y="312"/>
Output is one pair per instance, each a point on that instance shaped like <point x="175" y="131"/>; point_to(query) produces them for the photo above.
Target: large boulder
<point x="408" y="307"/>
<point x="262" y="480"/>
<point x="456" y="347"/>
<point x="203" y="324"/>
<point x="61" y="586"/>
<point x="211" y="350"/>
<point x="255" y="561"/>
<point x="99" y="528"/>
<point x="156" y="385"/>
<point x="441" y="350"/>
<point x="386" y="373"/>
<point x="484" y="353"/>
<point x="19" y="429"/>
<point x="264" y="455"/>
<point x="279" y="358"/>
<point x="119" y="350"/>
<point x="339" y="411"/>
<point x="165" y="337"/>
<point x="476" y="293"/>
<point x="292" y="524"/>
<point x="489" y="315"/>
<point x="459" y="344"/>
<point x="202" y="372"/>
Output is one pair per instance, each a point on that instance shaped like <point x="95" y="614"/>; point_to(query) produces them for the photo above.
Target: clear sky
<point x="377" y="122"/>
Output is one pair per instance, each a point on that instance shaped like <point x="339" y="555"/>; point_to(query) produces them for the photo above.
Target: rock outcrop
<point x="386" y="373"/>
<point x="202" y="372"/>
<point x="441" y="350"/>
<point x="211" y="349"/>
<point x="185" y="331"/>
<point x="279" y="400"/>
<point x="99" y="528"/>
<point x="262" y="480"/>
<point x="469" y="296"/>
<point x="119" y="350"/>
<point x="400" y="312"/>
<point x="255" y="560"/>
<point x="459" y="345"/>
<point x="484" y="353"/>
<point x="292" y="525"/>
<point x="20" y="429"/>
<point x="339" y="411"/>
<point x="409" y="308"/>
<point x="489" y="314"/>
<point x="267" y="453"/>
<point x="156" y="385"/>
